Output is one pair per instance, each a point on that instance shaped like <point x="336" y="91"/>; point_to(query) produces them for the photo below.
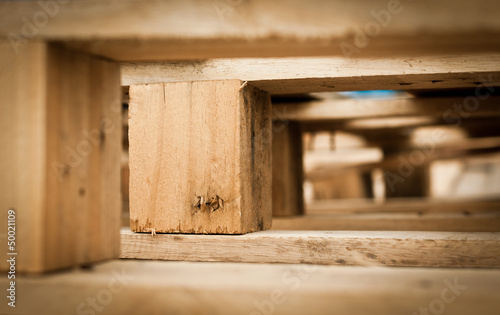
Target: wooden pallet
<point x="202" y="160"/>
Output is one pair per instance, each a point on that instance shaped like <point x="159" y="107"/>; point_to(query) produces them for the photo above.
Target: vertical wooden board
<point x="22" y="149"/>
<point x="288" y="196"/>
<point x="107" y="85"/>
<point x="194" y="141"/>
<point x="84" y="130"/>
<point x="66" y="118"/>
<point x="256" y="148"/>
<point x="144" y="127"/>
<point x="69" y="131"/>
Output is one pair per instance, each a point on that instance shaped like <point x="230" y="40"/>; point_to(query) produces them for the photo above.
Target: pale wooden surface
<point x="227" y="288"/>
<point x="404" y="205"/>
<point x="60" y="134"/>
<point x="287" y="169"/>
<point x="305" y="75"/>
<point x="199" y="29"/>
<point x="345" y="109"/>
<point x="22" y="136"/>
<point x="445" y="222"/>
<point x="388" y="248"/>
<point x="193" y="140"/>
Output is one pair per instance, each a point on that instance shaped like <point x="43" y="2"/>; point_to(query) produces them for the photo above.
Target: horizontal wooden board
<point x="445" y="150"/>
<point x="389" y="248"/>
<point x="379" y="128"/>
<point x="449" y="222"/>
<point x="345" y="109"/>
<point x="199" y="29"/>
<point x="404" y="205"/>
<point x="305" y="75"/>
<point x="228" y="288"/>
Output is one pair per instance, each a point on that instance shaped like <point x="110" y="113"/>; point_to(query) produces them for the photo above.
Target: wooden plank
<point x="431" y="151"/>
<point x="226" y="288"/>
<point x="322" y="160"/>
<point x="61" y="141"/>
<point x="449" y="222"/>
<point x="347" y="109"/>
<point x="180" y="30"/>
<point x="305" y="75"/>
<point x="200" y="158"/>
<point x="376" y="128"/>
<point x="287" y="169"/>
<point x="387" y="248"/>
<point x="404" y="205"/>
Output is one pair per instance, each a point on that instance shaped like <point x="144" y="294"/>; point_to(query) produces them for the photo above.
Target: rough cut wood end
<point x="200" y="158"/>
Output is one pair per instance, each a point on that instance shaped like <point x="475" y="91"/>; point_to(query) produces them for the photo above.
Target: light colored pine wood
<point x="404" y="205"/>
<point x="200" y="158"/>
<point x="346" y="109"/>
<point x="200" y="29"/>
<point x="449" y="222"/>
<point x="61" y="141"/>
<point x="227" y="288"/>
<point x="387" y="248"/>
<point x="287" y="169"/>
<point x="305" y="75"/>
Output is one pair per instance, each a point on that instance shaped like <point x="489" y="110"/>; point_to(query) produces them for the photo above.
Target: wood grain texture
<point x="200" y="29"/>
<point x="388" y="248"/>
<point x="322" y="74"/>
<point x="229" y="288"/>
<point x="288" y="195"/>
<point x="449" y="222"/>
<point x="22" y="136"/>
<point x="61" y="143"/>
<point x="200" y="158"/>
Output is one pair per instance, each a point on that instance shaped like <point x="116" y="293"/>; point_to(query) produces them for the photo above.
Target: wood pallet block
<point x="60" y="133"/>
<point x="288" y="195"/>
<point x="200" y="158"/>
